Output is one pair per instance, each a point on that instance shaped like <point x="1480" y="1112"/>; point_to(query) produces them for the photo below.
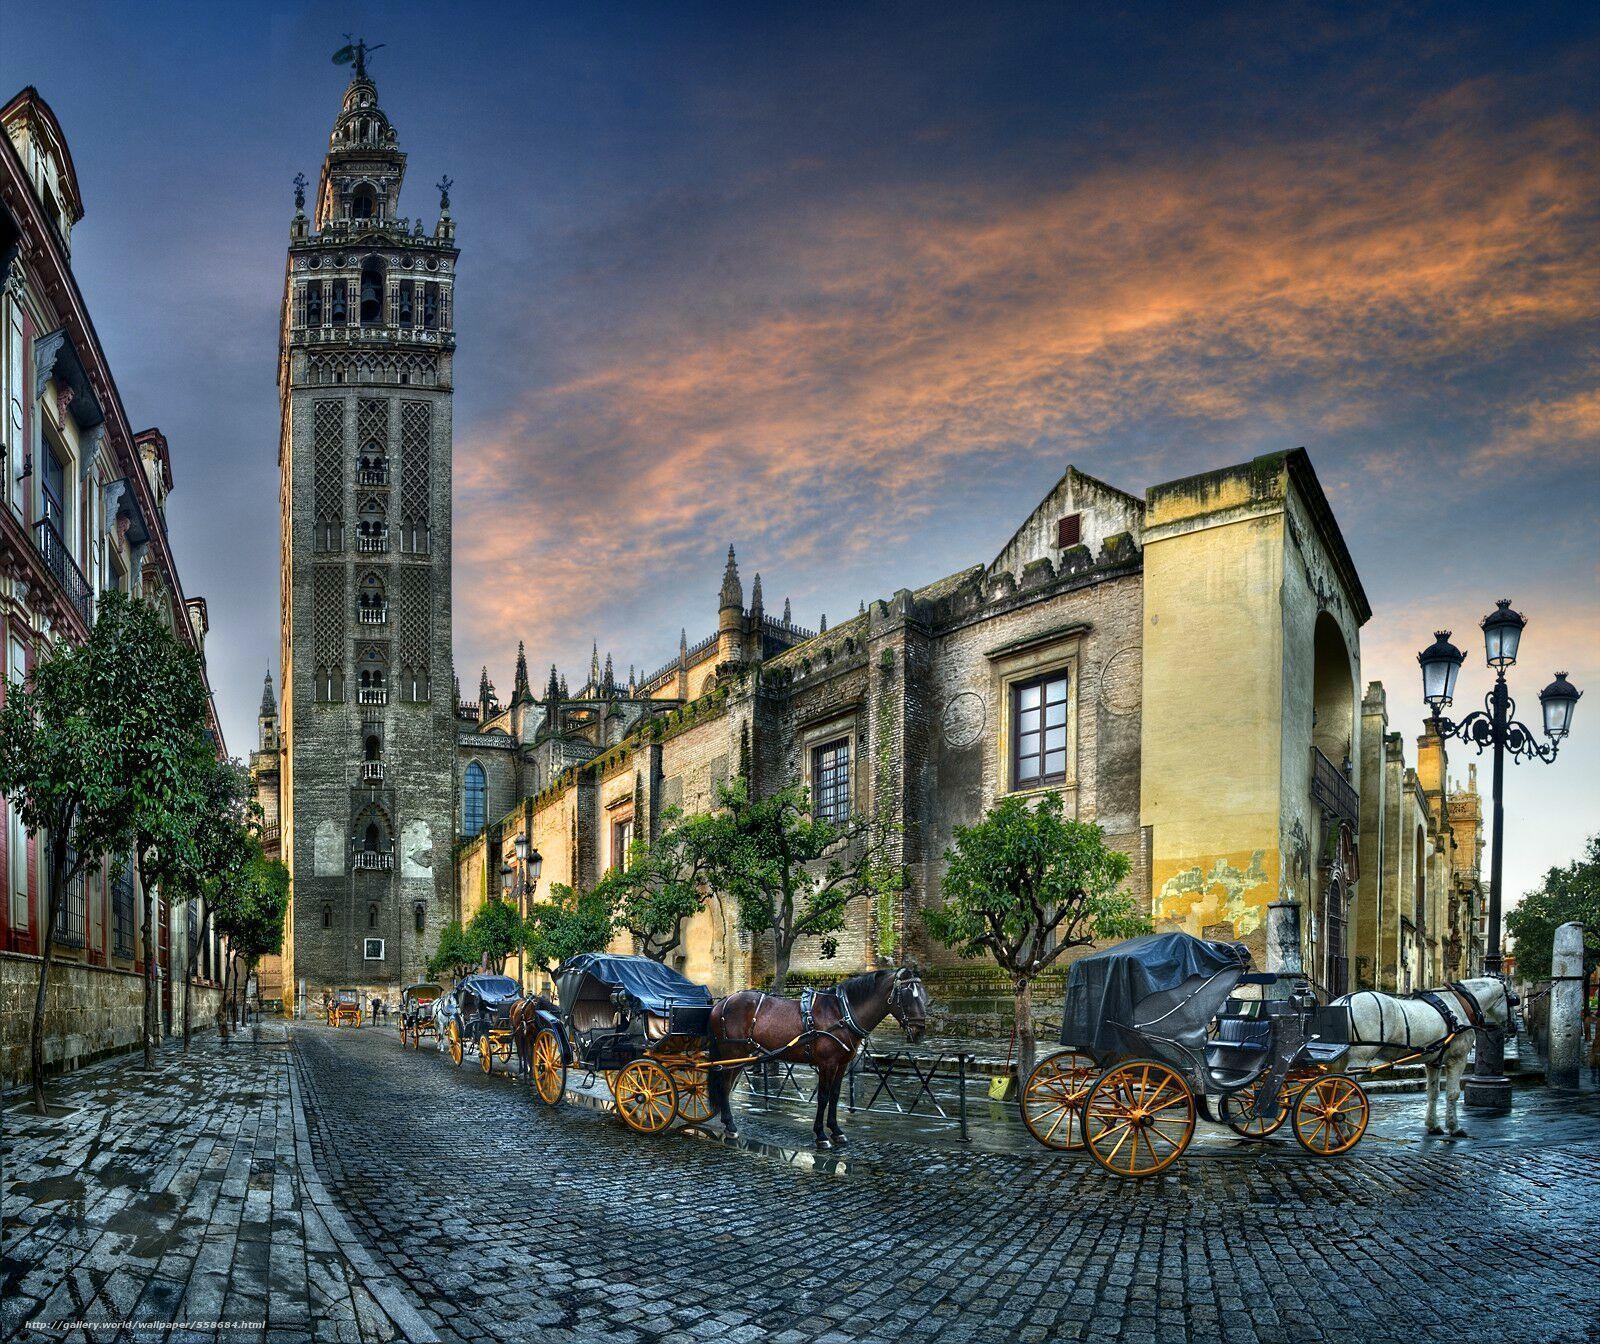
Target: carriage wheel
<point x="647" y="1098"/>
<point x="549" y="1067"/>
<point x="1052" y="1100"/>
<point x="1138" y="1118"/>
<point x="456" y="1051"/>
<point x="407" y="1041"/>
<point x="694" y="1094"/>
<point x="1330" y="1115"/>
<point x="486" y="1053"/>
<point x="1243" y="1100"/>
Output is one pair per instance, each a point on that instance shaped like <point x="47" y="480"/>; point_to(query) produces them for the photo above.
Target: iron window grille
<point x="1039" y="731"/>
<point x="70" y="913"/>
<point x="122" y="914"/>
<point x="830" y="778"/>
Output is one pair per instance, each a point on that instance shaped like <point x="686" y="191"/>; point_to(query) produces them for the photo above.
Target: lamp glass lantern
<point x="1441" y="664"/>
<point x="520" y="844"/>
<point x="535" y="865"/>
<point x="1558" y="700"/>
<point x="1502" y="632"/>
<point x="505" y="878"/>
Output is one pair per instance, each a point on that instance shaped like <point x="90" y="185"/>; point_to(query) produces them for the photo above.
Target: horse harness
<point x="809" y="1030"/>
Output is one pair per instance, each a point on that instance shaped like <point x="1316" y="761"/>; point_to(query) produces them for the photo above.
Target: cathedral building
<point x="364" y="741"/>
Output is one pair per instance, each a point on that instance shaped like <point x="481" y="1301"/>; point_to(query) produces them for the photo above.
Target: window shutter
<point x="1069" y="530"/>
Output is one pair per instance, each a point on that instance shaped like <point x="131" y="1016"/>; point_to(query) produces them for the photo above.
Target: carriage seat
<point x="1238" y="1047"/>
<point x="595" y="1015"/>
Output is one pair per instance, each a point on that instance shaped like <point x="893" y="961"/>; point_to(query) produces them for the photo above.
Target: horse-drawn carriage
<point x="640" y="1024"/>
<point x="1153" y="1031"/>
<point x="416" y="1013"/>
<point x="344" y="1009"/>
<point x="482" y="1018"/>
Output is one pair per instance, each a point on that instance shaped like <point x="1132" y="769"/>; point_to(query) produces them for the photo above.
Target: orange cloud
<point x="892" y="346"/>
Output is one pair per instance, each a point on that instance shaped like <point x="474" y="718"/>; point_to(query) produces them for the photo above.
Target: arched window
<point x="372" y="841"/>
<point x="371" y="747"/>
<point x="419" y="913"/>
<point x="372" y="292"/>
<point x="372" y="608"/>
<point x="372" y="916"/>
<point x="363" y="202"/>
<point x="474" y="800"/>
<point x="327" y="916"/>
<point x="373" y="465"/>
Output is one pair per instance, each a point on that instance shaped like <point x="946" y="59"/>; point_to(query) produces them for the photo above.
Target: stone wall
<point x="90" y="1012"/>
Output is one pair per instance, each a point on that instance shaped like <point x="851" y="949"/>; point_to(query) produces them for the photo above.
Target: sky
<point x="849" y="285"/>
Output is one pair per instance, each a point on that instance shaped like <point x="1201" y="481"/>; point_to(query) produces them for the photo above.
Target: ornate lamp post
<point x="530" y="863"/>
<point x="1494" y="727"/>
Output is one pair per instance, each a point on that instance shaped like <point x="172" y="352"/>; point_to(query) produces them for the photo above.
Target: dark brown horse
<point x="825" y="1030"/>
<point x="525" y="1025"/>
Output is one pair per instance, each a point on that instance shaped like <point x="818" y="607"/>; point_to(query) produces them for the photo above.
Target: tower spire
<point x="521" y="691"/>
<point x="269" y="700"/>
<point x="732" y="594"/>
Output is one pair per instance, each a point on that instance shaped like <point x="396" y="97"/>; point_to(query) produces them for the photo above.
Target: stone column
<point x="1283" y="943"/>
<point x="1566" y="1007"/>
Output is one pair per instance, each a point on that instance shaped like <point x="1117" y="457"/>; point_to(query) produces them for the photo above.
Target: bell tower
<point x="365" y="384"/>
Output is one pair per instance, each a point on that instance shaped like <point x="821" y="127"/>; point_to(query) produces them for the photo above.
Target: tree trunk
<point x="58" y="872"/>
<point x="781" y="953"/>
<point x="222" y="1000"/>
<point x="194" y="942"/>
<point x="151" y="951"/>
<point x="1026" y="1045"/>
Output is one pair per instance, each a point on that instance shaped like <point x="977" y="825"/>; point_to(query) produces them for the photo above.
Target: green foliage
<point x="791" y="874"/>
<point x="455" y="955"/>
<point x="569" y="923"/>
<point x="662" y="885"/>
<point x="251" y="905"/>
<point x="494" y="932"/>
<point x="1566" y="894"/>
<point x="1027" y="883"/>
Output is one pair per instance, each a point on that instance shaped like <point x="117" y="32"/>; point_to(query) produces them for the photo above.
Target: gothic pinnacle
<point x="788" y="614"/>
<point x="269" y="701"/>
<point x="521" y="690"/>
<point x="757" y="607"/>
<point x="732" y="594"/>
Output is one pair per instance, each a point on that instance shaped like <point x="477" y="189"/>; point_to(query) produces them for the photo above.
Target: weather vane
<point x="299" y="191"/>
<point x="444" y="184"/>
<point x="357" y="51"/>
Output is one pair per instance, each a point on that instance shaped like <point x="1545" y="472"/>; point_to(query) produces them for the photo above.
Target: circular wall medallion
<point x="963" y="719"/>
<point x="1119" y="681"/>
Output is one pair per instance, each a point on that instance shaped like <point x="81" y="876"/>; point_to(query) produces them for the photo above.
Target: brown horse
<point x="525" y="1025"/>
<point x="825" y="1030"/>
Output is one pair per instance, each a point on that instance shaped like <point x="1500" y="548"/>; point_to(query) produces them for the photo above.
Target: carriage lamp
<point x="1558" y="700"/>
<point x="505" y="879"/>
<point x="1495" y="727"/>
<point x="1502" y="631"/>
<point x="535" y="866"/>
<point x="1441" y="663"/>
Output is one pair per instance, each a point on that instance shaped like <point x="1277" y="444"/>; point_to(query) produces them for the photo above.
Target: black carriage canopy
<point x="425" y="990"/>
<point x="655" y="986"/>
<point x="1165" y="984"/>
<point x="492" y="988"/>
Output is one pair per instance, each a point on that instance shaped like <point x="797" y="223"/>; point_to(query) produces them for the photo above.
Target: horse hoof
<point x="1435" y="1129"/>
<point x="822" y="1145"/>
<point x="839" y="1139"/>
<point x="1459" y="1134"/>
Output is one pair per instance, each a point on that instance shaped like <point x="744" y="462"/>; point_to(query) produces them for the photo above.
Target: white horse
<point x="1385" y="1027"/>
<point x="444" y="1008"/>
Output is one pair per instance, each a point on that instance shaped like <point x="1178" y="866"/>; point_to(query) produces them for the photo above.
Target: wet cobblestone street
<point x="413" y="1198"/>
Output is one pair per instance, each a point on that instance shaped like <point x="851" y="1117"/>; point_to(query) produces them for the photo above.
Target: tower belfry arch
<point x="366" y="377"/>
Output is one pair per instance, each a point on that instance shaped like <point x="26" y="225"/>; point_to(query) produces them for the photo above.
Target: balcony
<point x="373" y="543"/>
<point x="375" y="613"/>
<point x="373" y="476"/>
<point x="1332" y="791"/>
<point x="374" y="860"/>
<point x="372" y="695"/>
<point x="372" y="772"/>
<point x="64" y="569"/>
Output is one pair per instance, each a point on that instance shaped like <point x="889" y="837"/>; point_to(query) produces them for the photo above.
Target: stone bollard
<point x="1283" y="943"/>
<point x="1566" y="1007"/>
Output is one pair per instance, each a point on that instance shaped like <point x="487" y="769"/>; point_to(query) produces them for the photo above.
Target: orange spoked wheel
<point x="1236" y="1108"/>
<point x="1330" y="1115"/>
<point x="694" y="1094"/>
<point x="456" y="1050"/>
<point x="549" y="1067"/>
<point x="1138" y="1118"/>
<point x="1052" y="1100"/>
<point x="647" y="1098"/>
<point x="486" y="1052"/>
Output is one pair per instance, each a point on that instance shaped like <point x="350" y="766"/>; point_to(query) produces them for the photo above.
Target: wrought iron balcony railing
<point x="63" y="568"/>
<point x="375" y="860"/>
<point x="1333" y="790"/>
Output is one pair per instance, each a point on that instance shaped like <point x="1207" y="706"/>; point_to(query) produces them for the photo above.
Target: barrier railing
<point x="894" y="1082"/>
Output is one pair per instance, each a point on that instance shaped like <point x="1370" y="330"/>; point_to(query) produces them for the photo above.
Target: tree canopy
<point x="1568" y="893"/>
<point x="662" y="885"/>
<point x="568" y="923"/>
<point x="454" y="955"/>
<point x="495" y="932"/>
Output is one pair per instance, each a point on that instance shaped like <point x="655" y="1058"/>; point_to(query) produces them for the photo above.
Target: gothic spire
<point x="609" y="680"/>
<point x="485" y="690"/>
<point x="788" y="613"/>
<point x="521" y="691"/>
<point x="594" y="663"/>
<point x="269" y="701"/>
<point x="683" y="642"/>
<point x="823" y="628"/>
<point x="552" y="692"/>
<point x="732" y="594"/>
<point x="757" y="608"/>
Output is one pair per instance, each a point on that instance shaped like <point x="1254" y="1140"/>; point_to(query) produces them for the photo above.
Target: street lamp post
<point x="1494" y="728"/>
<point x="530" y="863"/>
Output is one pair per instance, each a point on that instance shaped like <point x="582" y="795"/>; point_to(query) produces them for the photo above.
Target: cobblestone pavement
<point x="183" y="1194"/>
<point x="511" y="1222"/>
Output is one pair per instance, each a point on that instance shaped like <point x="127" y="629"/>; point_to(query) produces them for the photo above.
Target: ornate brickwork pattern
<point x="372" y="425"/>
<point x="415" y="487"/>
<point x="327" y="616"/>
<point x="328" y="456"/>
<point x="405" y="368"/>
<point x="413" y="592"/>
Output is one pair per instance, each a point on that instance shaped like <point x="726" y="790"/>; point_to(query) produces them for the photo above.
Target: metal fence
<point x="929" y="1086"/>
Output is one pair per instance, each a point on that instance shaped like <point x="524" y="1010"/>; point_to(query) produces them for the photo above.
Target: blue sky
<point x="849" y="286"/>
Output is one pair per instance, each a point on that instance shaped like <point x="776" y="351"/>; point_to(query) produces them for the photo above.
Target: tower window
<point x="372" y="286"/>
<point x="406" y="302"/>
<point x="372" y="916"/>
<point x="430" y="304"/>
<point x="363" y="202"/>
<point x="327" y="916"/>
<point x="420" y="914"/>
<point x="1069" y="530"/>
<point x="314" y="304"/>
<point x="340" y="303"/>
<point x="474" y="800"/>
